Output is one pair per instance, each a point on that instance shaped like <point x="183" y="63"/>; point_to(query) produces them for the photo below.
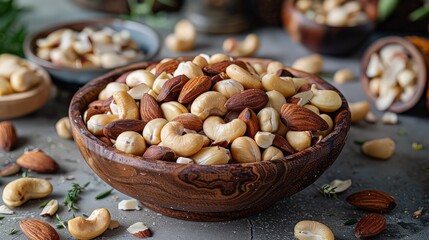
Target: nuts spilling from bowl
<point x="335" y="13"/>
<point x="220" y="112"/>
<point x="89" y="48"/>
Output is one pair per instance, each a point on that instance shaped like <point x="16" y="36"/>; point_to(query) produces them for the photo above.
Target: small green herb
<point x="359" y="142"/>
<point x="328" y="191"/>
<point x="402" y="132"/>
<point x="351" y="221"/>
<point x="417" y="146"/>
<point x="420" y="12"/>
<point x="72" y="196"/>
<point x="12" y="231"/>
<point x="43" y="204"/>
<point x="61" y="223"/>
<point x="12" y="31"/>
<point x="1" y="217"/>
<point x="24" y="174"/>
<point x="103" y="194"/>
<point x="139" y="9"/>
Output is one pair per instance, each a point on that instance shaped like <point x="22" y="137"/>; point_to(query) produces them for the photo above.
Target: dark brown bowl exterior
<point x="415" y="54"/>
<point x="198" y="192"/>
<point x="320" y="38"/>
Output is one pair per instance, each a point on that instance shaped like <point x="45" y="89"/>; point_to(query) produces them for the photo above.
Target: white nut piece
<point x="91" y="227"/>
<point x="183" y="145"/>
<point x="246" y="48"/>
<point x="375" y="67"/>
<point x="389" y="118"/>
<point x="63" y="128"/>
<point x="216" y="129"/>
<point x="140" y="76"/>
<point x="127" y="107"/>
<point x="244" y="77"/>
<point x="330" y="123"/>
<point x="138" y="91"/>
<point x="326" y="100"/>
<point x="406" y="78"/>
<point x="184" y="37"/>
<point x="264" y="139"/>
<point x="312" y="64"/>
<point x="371" y="117"/>
<point x="111" y="88"/>
<point x="129" y="204"/>
<point x="189" y="69"/>
<point x="312" y="108"/>
<point x="359" y="110"/>
<point x="131" y="142"/>
<point x="272" y="153"/>
<point x="208" y="104"/>
<point x="275" y="100"/>
<point x="24" y="79"/>
<point x="5" y="87"/>
<point x="50" y="208"/>
<point x="139" y="230"/>
<point x="114" y="224"/>
<point x="212" y="156"/>
<point x="184" y="160"/>
<point x="374" y="86"/>
<point x="5" y="210"/>
<point x="228" y="87"/>
<point x="299" y="140"/>
<point x="343" y="76"/>
<point x="172" y="109"/>
<point x="152" y="130"/>
<point x="284" y="85"/>
<point x="382" y="148"/>
<point x="97" y="122"/>
<point x="305" y="230"/>
<point x="269" y="119"/>
<point x="21" y="190"/>
<point x="218" y="57"/>
<point x="245" y="150"/>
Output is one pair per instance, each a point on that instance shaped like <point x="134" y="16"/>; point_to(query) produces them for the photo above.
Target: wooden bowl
<point x="203" y="192"/>
<point x="146" y="37"/>
<point x="415" y="54"/>
<point x="326" y="39"/>
<point x="20" y="104"/>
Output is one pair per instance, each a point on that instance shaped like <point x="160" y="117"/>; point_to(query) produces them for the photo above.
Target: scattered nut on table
<point x="184" y="37"/>
<point x="307" y="229"/>
<point x="311" y="64"/>
<point x="382" y="148"/>
<point x="19" y="191"/>
<point x="91" y="227"/>
<point x="245" y="48"/>
<point x="343" y="76"/>
<point x="139" y="230"/>
<point x="63" y="128"/>
<point x="8" y="136"/>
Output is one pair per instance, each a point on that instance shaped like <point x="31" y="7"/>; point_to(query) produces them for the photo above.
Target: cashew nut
<point x="160" y="81"/>
<point x="184" y="37"/>
<point x="306" y="229"/>
<point x="172" y="109"/>
<point x="269" y="119"/>
<point x="244" y="77"/>
<point x="212" y="156"/>
<point x="218" y="57"/>
<point x="127" y="107"/>
<point x="152" y="130"/>
<point x="272" y="153"/>
<point x="138" y="91"/>
<point x="382" y="148"/>
<point x="245" y="150"/>
<point x="140" y="76"/>
<point x="359" y="110"/>
<point x="189" y="69"/>
<point x="91" y="227"/>
<point x="264" y="139"/>
<point x="275" y="100"/>
<point x="97" y="122"/>
<point x="23" y="79"/>
<point x="299" y="140"/>
<point x="228" y="87"/>
<point x="63" y="128"/>
<point x="183" y="145"/>
<point x="246" y="48"/>
<point x="312" y="64"/>
<point x="5" y="87"/>
<point x="131" y="142"/>
<point x="208" y="104"/>
<point x="111" y="88"/>
<point x="325" y="100"/>
<point x="284" y="85"/>
<point x="275" y="66"/>
<point x="21" y="190"/>
<point x="216" y="129"/>
<point x="200" y="61"/>
<point x="343" y="76"/>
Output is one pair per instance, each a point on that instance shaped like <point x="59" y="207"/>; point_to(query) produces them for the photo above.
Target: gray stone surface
<point x="405" y="176"/>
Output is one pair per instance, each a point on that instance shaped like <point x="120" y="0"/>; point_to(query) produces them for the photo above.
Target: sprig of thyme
<point x="72" y="196"/>
<point x="104" y="194"/>
<point x="328" y="191"/>
<point x="61" y="223"/>
<point x="12" y="33"/>
<point x="12" y="231"/>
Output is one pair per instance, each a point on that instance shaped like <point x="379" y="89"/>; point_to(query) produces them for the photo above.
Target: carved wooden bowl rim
<point x="78" y="105"/>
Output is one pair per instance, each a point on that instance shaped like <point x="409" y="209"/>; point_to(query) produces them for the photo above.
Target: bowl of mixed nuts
<point x="79" y="51"/>
<point x="332" y="27"/>
<point x="209" y="138"/>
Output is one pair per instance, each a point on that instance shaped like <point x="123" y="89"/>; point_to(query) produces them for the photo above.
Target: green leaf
<point x="417" y="146"/>
<point x="43" y="204"/>
<point x="351" y="221"/>
<point x="419" y="13"/>
<point x="359" y="142"/>
<point x="1" y="217"/>
<point x="12" y="231"/>
<point x="24" y="174"/>
<point x="385" y="8"/>
<point x="103" y="194"/>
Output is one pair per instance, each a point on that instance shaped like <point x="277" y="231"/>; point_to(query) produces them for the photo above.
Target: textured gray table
<point x="405" y="176"/>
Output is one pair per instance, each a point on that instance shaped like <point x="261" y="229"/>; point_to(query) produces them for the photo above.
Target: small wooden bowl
<point x="415" y="54"/>
<point x="326" y="39"/>
<point x="201" y="192"/>
<point x="20" y="104"/>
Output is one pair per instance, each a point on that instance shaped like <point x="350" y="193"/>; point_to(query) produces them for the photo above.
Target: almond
<point x="105" y="140"/>
<point x="38" y="161"/>
<point x="149" y="108"/>
<point x="139" y="230"/>
<point x="38" y="230"/>
<point x="10" y="170"/>
<point x="231" y="115"/>
<point x="156" y="152"/>
<point x="251" y="120"/>
<point x="8" y="136"/>
<point x="168" y="67"/>
<point x="216" y="68"/>
<point x="297" y="118"/>
<point x="372" y="200"/>
<point x="194" y="88"/>
<point x="370" y="225"/>
<point x="219" y="77"/>
<point x="171" y="89"/>
<point x="281" y="143"/>
<point x="113" y="129"/>
<point x="255" y="99"/>
<point x="123" y="77"/>
<point x="190" y="121"/>
<point x="284" y="73"/>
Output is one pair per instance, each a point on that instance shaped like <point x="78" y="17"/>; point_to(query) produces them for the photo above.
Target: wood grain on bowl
<point x="204" y="192"/>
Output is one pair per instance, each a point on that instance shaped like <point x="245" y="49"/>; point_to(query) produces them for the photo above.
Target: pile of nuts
<point x="211" y="110"/>
<point x="89" y="48"/>
<point x="335" y="13"/>
<point x="16" y="75"/>
<point x="392" y="76"/>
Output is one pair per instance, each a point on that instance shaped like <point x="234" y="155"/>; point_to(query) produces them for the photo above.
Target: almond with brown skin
<point x="194" y="88"/>
<point x="190" y="121"/>
<point x="156" y="152"/>
<point x="255" y="99"/>
<point x="297" y="118"/>
<point x="370" y="225"/>
<point x="171" y="89"/>
<point x="281" y="143"/>
<point x="372" y="200"/>
<point x="219" y="77"/>
<point x="284" y="73"/>
<point x="38" y="161"/>
<point x="8" y="138"/>
<point x="231" y="115"/>
<point x="113" y="129"/>
<point x="168" y="67"/>
<point x="123" y="77"/>
<point x="251" y="120"/>
<point x="38" y="230"/>
<point x="10" y="170"/>
<point x="149" y="108"/>
<point x="216" y="68"/>
<point x="106" y="140"/>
